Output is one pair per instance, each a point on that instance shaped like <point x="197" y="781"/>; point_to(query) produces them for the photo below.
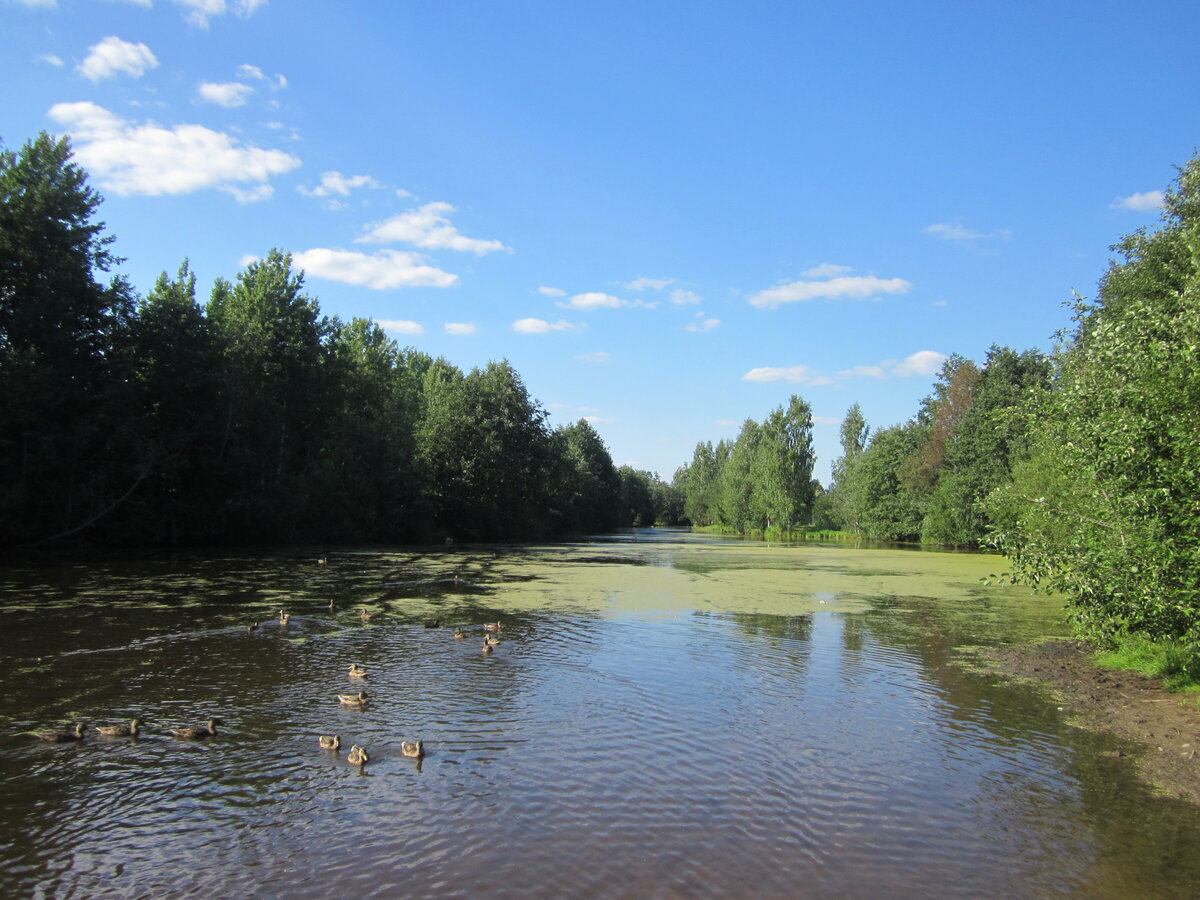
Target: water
<point x="667" y="715"/>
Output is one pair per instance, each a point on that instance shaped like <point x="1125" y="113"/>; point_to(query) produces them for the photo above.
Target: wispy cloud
<point x="229" y="94"/>
<point x="842" y="286"/>
<point x="599" y="300"/>
<point x="428" y="227"/>
<point x="334" y="185"/>
<point x="958" y="233"/>
<point x="460" y="329"/>
<point x="923" y="362"/>
<point x="381" y="271"/>
<point x="826" y="270"/>
<point x="1146" y="201"/>
<point x="640" y="284"/>
<point x="113" y="56"/>
<point x="129" y="158"/>
<point x="400" y="326"/>
<point x="790" y="374"/>
<point x="52" y="60"/>
<point x="597" y="357"/>
<point x="683" y="298"/>
<point x="702" y="324"/>
<point x="541" y="326"/>
<point x="198" y="12"/>
<point x="551" y="291"/>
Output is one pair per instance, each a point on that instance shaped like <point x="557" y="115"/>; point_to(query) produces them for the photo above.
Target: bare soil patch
<point x="1128" y="705"/>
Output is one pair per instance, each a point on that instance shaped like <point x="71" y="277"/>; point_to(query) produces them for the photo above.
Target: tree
<point x="62" y="349"/>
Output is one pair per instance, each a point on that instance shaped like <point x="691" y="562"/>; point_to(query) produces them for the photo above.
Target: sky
<point x="668" y="217"/>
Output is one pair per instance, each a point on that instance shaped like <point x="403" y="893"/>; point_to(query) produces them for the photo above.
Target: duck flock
<point x="358" y="700"/>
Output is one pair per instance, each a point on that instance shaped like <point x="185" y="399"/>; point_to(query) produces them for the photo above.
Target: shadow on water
<point x="664" y="715"/>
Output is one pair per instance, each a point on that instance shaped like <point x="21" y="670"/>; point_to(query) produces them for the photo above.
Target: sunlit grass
<point x="1164" y="660"/>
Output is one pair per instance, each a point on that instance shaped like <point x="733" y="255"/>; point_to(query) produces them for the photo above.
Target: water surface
<point x="667" y="715"/>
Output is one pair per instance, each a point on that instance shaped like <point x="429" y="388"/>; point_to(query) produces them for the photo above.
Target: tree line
<point x="253" y="418"/>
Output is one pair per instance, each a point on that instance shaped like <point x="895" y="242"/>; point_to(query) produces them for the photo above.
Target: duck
<point x="487" y="648"/>
<point x="321" y="560"/>
<point x="283" y="617"/>
<point x="60" y="737"/>
<point x="412" y="749"/>
<point x="121" y="730"/>
<point x="357" y="671"/>
<point x="329" y="741"/>
<point x="434" y="623"/>
<point x="253" y="626"/>
<point x="364" y="615"/>
<point x="193" y="732"/>
<point x="459" y="634"/>
<point x="490" y="640"/>
<point x="357" y="756"/>
<point x="493" y="626"/>
<point x="358" y="699"/>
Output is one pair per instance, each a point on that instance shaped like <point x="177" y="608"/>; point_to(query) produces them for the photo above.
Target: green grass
<point x="1167" y="661"/>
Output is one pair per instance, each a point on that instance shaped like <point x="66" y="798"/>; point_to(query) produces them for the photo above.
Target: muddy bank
<point x="1128" y="705"/>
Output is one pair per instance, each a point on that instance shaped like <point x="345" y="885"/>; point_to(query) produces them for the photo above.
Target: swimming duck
<point x="253" y="626"/>
<point x="321" y="560"/>
<point x="121" y="730"/>
<point x="193" y="732"/>
<point x="358" y="699"/>
<point x="357" y="756"/>
<point x="329" y="741"/>
<point x="493" y="626"/>
<point x="459" y="634"/>
<point x="491" y="640"/>
<point x="357" y="671"/>
<point x="413" y="749"/>
<point x="75" y="734"/>
<point x="283" y="617"/>
<point x="487" y="648"/>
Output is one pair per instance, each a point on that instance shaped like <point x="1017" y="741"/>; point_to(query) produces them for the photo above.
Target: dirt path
<point x="1125" y="704"/>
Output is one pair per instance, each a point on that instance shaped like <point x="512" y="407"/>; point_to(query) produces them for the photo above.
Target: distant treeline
<point x="1082" y="466"/>
<point x="151" y="420"/>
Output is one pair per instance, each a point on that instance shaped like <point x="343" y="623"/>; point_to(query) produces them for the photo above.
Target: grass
<point x="1165" y="660"/>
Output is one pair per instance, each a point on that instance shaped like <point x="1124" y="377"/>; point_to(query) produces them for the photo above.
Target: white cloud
<point x="863" y="372"/>
<point x="144" y="4"/>
<point x="427" y="227"/>
<point x="593" y="300"/>
<point x="702" y="324"/>
<point x="682" y="298"/>
<point x="923" y="362"/>
<point x="460" y="328"/>
<point x="113" y="56"/>
<point x="963" y="234"/>
<point x="381" y="271"/>
<point x="254" y="72"/>
<point x="335" y="184"/>
<point x="826" y="270"/>
<point x="248" y="260"/>
<point x="599" y="356"/>
<point x="1146" y="201"/>
<point x="400" y="326"/>
<point x="640" y="284"/>
<point x="552" y="291"/>
<point x="229" y="94"/>
<point x="251" y="195"/>
<point x="541" y="326"/>
<point x="790" y="374"/>
<point x="833" y="288"/>
<point x="51" y="59"/>
<point x="198" y="12"/>
<point x="127" y="158"/>
<point x="826" y="420"/>
<point x="40" y="4"/>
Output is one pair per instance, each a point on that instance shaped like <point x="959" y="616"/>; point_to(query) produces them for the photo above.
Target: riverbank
<point x="1128" y="705"/>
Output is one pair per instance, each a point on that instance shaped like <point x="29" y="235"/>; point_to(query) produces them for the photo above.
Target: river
<point x="666" y="715"/>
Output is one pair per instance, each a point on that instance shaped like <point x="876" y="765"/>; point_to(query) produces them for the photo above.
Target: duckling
<point x="60" y="737"/>
<point x="193" y="732"/>
<point x="459" y="634"/>
<point x="121" y="730"/>
<point x="413" y="749"/>
<point x="358" y="699"/>
<point x="357" y="756"/>
<point x="284" y="617"/>
<point x="357" y="671"/>
<point x="329" y="741"/>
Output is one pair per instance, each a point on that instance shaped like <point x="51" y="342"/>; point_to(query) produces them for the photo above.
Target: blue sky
<point x="668" y="216"/>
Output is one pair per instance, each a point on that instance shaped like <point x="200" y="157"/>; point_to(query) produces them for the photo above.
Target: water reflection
<point x="664" y="716"/>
